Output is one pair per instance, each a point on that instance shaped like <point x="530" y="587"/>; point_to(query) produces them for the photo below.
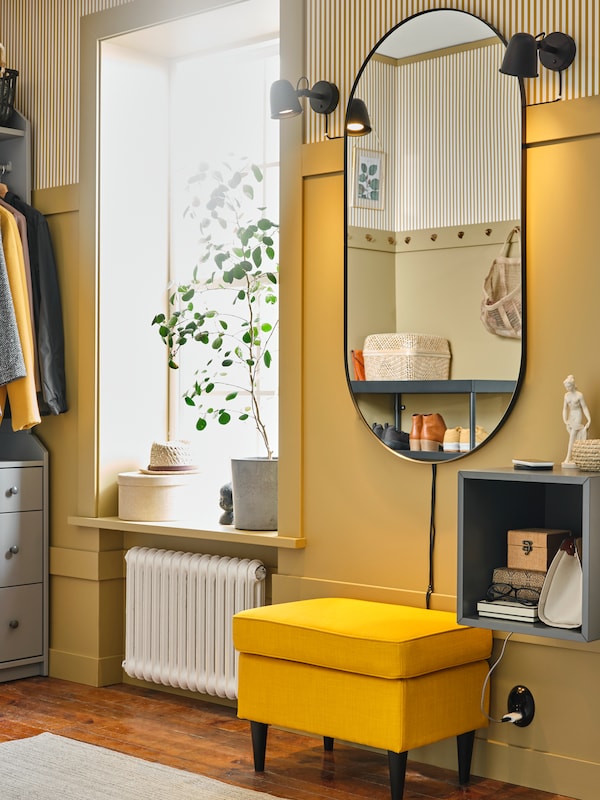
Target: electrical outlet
<point x="520" y="701"/>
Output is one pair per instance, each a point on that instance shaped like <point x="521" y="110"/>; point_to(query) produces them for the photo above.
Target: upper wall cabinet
<point x="15" y="156"/>
<point x="433" y="193"/>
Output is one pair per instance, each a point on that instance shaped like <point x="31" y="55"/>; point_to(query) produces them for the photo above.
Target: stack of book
<point x="505" y="608"/>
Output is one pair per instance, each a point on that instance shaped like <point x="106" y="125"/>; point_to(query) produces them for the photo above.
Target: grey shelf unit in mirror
<point x="418" y="251"/>
<point x="492" y="502"/>
<point x="470" y="388"/>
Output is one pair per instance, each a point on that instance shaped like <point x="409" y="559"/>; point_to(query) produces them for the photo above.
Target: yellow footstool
<point x="382" y="675"/>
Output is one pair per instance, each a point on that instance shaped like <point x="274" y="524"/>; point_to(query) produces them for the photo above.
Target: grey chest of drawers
<point x="23" y="555"/>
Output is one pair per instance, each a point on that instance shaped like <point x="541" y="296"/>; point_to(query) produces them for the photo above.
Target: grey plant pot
<point x="254" y="484"/>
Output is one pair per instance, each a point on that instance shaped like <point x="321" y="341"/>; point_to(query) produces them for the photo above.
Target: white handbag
<point x="561" y="598"/>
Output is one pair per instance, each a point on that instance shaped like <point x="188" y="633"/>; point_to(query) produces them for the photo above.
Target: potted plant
<point x="237" y="258"/>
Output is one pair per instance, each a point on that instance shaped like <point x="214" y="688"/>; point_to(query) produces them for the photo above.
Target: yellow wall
<point x="363" y="510"/>
<point x="366" y="511"/>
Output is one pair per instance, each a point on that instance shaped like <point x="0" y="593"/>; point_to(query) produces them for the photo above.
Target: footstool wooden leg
<point x="259" y="744"/>
<point x="327" y="743"/>
<point x="464" y="744"/>
<point x="397" y="764"/>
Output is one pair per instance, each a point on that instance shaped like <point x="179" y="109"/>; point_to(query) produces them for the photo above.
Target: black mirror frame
<point x="406" y="454"/>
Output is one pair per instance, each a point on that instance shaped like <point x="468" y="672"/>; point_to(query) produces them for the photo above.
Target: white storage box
<point x="155" y="498"/>
<point x="406" y="357"/>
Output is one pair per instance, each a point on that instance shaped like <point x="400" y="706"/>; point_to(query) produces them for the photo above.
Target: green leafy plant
<point x="237" y="256"/>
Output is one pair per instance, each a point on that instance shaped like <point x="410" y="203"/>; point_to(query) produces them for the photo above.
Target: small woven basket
<point x="8" y="90"/>
<point x="586" y="454"/>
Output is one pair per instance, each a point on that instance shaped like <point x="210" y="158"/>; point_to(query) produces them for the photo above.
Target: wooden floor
<point x="209" y="739"/>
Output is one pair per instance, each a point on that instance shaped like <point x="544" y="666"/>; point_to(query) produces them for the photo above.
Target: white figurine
<point x="574" y="412"/>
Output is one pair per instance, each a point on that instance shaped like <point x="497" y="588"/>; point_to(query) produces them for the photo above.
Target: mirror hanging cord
<point x="431" y="535"/>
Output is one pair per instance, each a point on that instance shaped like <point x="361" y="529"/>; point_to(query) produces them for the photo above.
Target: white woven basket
<point x="586" y="454"/>
<point x="406" y="357"/>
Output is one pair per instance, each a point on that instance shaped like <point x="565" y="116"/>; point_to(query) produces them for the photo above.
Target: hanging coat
<point x="12" y="365"/>
<point x="22" y="226"/>
<point x="20" y="392"/>
<point x="47" y="308"/>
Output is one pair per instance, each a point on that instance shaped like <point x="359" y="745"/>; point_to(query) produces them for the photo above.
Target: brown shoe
<point x="432" y="432"/>
<point x="414" y="436"/>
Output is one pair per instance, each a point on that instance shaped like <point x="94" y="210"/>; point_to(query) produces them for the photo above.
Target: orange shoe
<point x="432" y="432"/>
<point x="414" y="437"/>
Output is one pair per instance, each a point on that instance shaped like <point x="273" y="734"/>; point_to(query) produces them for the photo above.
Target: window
<point x="194" y="89"/>
<point x="219" y="114"/>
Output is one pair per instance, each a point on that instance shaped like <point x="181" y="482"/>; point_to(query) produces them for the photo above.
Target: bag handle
<point x="516" y="231"/>
<point x="569" y="546"/>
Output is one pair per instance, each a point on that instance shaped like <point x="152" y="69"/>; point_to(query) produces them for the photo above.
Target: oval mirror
<point x="434" y="214"/>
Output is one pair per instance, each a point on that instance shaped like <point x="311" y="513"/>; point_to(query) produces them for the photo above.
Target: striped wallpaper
<point x="341" y="34"/>
<point x="453" y="152"/>
<point x="42" y="41"/>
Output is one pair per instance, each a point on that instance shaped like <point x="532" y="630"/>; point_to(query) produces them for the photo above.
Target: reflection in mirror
<point x="433" y="193"/>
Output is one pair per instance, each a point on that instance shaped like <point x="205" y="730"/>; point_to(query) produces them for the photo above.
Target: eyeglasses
<point x="521" y="594"/>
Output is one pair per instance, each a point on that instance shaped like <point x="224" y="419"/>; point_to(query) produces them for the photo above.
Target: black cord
<point x="431" y="535"/>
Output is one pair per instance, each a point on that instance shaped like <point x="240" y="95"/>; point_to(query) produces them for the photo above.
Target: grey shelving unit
<point x="492" y="502"/>
<point x="470" y="388"/>
<point x="15" y="156"/>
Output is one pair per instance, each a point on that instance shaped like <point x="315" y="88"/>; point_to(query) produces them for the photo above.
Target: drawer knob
<point x="14" y="623"/>
<point x="14" y="549"/>
<point x="13" y="490"/>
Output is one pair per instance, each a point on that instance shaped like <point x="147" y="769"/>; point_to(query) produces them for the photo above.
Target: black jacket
<point x="47" y="309"/>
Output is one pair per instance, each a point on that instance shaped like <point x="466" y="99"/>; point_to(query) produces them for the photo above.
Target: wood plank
<point x="209" y="739"/>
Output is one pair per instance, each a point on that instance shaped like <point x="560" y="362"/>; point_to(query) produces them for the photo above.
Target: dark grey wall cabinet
<point x="490" y="503"/>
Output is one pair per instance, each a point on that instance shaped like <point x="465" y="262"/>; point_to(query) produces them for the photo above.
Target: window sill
<point x="192" y="530"/>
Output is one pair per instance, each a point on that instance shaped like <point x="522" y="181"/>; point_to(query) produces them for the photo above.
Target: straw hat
<point x="167" y="458"/>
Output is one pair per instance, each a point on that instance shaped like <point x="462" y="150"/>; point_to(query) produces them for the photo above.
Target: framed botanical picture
<point x="368" y="178"/>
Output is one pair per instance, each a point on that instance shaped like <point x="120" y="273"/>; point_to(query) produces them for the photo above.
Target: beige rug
<point x="49" y="767"/>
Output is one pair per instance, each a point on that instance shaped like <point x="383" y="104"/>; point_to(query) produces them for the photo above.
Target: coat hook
<point x="433" y="237"/>
<point x="368" y="237"/>
<point x="407" y="240"/>
<point x="488" y="231"/>
<point x="391" y="240"/>
<point x="461" y="234"/>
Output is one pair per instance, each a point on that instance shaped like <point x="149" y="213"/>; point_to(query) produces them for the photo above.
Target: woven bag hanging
<point x="501" y="303"/>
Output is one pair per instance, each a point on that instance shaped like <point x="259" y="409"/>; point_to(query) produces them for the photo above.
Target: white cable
<point x="487" y="677"/>
<point x="512" y="716"/>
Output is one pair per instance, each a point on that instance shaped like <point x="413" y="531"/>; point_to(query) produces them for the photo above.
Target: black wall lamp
<point x="323" y="98"/>
<point x="556" y="52"/>
<point x="357" y="118"/>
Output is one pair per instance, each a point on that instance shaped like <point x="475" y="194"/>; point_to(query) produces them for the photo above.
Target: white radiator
<point x="178" y="613"/>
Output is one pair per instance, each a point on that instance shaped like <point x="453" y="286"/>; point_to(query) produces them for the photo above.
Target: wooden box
<point x="533" y="548"/>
